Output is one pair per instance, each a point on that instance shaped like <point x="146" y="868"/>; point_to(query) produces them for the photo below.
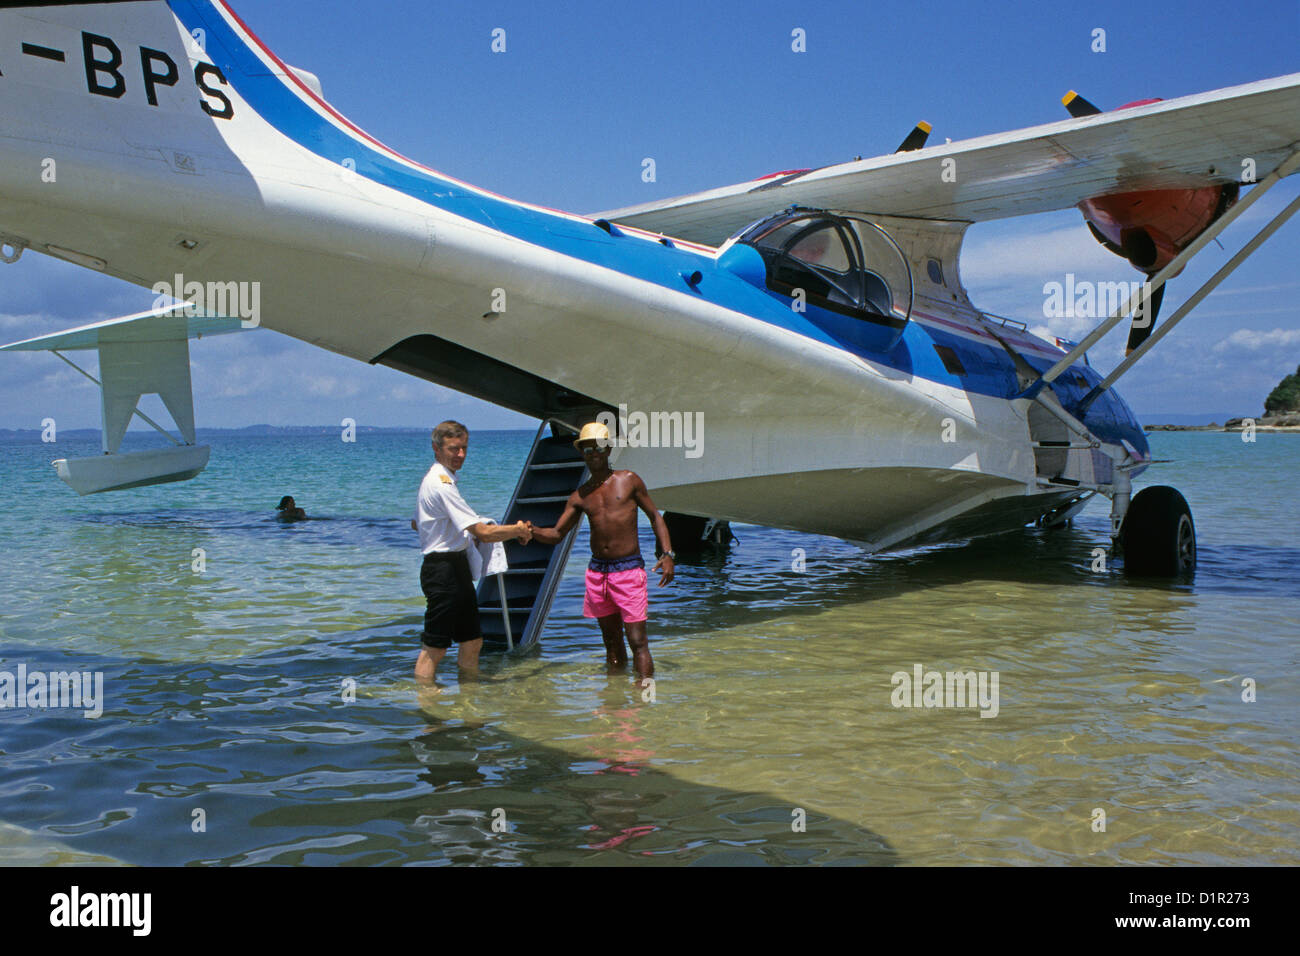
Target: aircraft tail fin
<point x="124" y="117"/>
<point x="138" y="78"/>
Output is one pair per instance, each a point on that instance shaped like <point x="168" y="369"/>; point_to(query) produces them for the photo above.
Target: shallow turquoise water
<point x="771" y="737"/>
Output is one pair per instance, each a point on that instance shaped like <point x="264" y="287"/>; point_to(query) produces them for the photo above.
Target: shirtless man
<point x="616" y="577"/>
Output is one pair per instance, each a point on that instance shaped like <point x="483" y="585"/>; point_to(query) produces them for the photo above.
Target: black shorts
<point x="452" y="612"/>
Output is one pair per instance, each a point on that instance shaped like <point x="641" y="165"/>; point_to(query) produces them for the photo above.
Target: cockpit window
<point x="878" y="296"/>
<point x="812" y="256"/>
<point x="780" y="234"/>
<point x="822" y="248"/>
<point x="838" y="262"/>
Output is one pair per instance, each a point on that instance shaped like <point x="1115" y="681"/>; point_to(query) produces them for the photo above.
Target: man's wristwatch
<point x="670" y="555"/>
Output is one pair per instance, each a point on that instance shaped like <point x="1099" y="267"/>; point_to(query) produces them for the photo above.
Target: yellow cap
<point x="593" y="431"/>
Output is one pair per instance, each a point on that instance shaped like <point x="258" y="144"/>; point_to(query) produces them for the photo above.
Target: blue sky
<point x="715" y="95"/>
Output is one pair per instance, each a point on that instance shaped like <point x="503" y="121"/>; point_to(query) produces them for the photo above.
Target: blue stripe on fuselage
<point x="988" y="368"/>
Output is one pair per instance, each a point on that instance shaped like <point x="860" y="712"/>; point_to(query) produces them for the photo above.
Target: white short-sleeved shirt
<point x="441" y="514"/>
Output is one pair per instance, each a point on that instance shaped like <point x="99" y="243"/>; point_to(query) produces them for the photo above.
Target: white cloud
<point x="232" y="376"/>
<point x="408" y="393"/>
<point x="1254" y="289"/>
<point x="329" y="386"/>
<point x="1253" y="339"/>
<point x="1033" y="258"/>
<point x="20" y="326"/>
<point x="1238" y="313"/>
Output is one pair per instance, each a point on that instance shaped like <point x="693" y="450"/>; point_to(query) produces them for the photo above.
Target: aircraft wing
<point x="1190" y="141"/>
<point x="156" y="325"/>
<point x="146" y="353"/>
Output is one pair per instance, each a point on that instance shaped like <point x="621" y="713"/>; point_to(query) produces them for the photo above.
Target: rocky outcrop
<point x="1269" y="423"/>
<point x="1291" y="420"/>
<point x="1281" y="413"/>
<point x="1285" y="399"/>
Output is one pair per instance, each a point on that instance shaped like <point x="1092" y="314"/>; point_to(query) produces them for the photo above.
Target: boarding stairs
<point x="513" y="606"/>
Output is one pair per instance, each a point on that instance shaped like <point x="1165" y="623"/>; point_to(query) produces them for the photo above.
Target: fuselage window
<point x="950" y="360"/>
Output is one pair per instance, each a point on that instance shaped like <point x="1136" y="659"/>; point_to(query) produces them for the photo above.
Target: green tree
<point x="1286" y="397"/>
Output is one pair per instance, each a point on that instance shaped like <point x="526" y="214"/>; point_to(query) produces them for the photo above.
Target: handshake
<point x="523" y="531"/>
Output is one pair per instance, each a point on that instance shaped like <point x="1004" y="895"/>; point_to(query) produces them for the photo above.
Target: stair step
<point x="554" y="471"/>
<point x="530" y="567"/>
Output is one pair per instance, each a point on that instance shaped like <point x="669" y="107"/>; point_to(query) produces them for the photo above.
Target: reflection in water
<point x="494" y="798"/>
<point x="616" y="752"/>
<point x="620" y="708"/>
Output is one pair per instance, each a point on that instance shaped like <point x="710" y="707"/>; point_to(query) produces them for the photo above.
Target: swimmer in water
<point x="287" y="510"/>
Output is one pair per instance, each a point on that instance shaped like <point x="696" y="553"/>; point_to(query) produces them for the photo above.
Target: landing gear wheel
<point x="1158" y="537"/>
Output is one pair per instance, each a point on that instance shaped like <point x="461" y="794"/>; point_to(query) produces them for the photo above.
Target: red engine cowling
<point x="1150" y="227"/>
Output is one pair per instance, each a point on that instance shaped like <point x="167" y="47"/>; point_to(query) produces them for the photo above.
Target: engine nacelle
<point x="1150" y="227"/>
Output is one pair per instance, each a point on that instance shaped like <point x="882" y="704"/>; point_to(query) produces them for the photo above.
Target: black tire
<point x="1158" y="536"/>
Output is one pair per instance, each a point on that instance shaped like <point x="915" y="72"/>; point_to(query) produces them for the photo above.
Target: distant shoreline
<point x="1272" y="423"/>
<point x="28" y="434"/>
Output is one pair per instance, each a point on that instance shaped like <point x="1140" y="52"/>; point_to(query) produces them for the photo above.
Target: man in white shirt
<point x="447" y="525"/>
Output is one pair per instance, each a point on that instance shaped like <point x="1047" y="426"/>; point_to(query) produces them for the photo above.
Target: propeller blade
<point x="1078" y="106"/>
<point x="915" y="139"/>
<point x="1137" y="334"/>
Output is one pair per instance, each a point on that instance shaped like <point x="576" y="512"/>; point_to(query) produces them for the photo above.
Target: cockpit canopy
<point x="836" y="261"/>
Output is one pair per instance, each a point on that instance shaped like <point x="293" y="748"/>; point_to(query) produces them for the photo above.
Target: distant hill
<point x="1183" y="419"/>
<point x="1286" y="397"/>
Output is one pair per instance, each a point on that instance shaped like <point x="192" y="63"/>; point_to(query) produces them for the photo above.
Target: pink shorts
<point x="616" y="592"/>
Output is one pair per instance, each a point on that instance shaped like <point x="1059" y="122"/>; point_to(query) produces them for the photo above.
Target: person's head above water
<point x="288" y="510"/>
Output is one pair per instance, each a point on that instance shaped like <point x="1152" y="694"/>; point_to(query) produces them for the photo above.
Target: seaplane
<point x="811" y="323"/>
